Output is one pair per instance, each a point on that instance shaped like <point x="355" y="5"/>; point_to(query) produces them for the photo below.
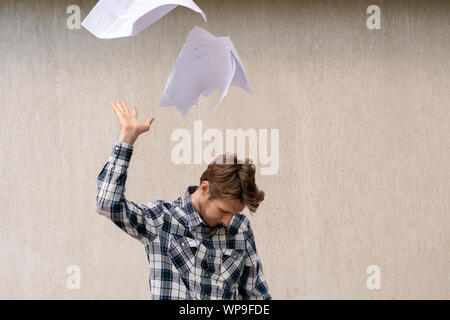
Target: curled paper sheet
<point x="111" y="19"/>
<point x="205" y="63"/>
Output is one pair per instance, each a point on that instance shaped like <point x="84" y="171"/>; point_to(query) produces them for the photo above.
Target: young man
<point x="199" y="246"/>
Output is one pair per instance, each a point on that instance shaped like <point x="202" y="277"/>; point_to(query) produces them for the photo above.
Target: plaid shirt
<point x="186" y="260"/>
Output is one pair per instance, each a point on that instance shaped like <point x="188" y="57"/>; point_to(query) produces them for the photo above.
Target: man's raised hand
<point x="130" y="126"/>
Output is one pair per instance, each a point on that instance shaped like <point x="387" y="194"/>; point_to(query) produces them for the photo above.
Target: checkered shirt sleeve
<point x="134" y="219"/>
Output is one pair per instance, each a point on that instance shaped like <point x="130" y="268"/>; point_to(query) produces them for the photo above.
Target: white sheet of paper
<point x="205" y="63"/>
<point x="111" y="19"/>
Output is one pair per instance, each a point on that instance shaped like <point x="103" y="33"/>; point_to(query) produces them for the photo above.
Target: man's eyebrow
<point x="224" y="210"/>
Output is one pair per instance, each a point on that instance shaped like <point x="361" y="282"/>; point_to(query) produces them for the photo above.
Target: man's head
<point x="227" y="186"/>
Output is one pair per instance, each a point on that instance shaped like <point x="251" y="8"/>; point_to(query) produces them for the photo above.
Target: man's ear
<point x="205" y="188"/>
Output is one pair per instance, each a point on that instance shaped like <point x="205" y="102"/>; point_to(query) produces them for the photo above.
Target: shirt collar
<point x="192" y="216"/>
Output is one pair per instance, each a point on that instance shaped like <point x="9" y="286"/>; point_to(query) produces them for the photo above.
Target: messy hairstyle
<point x="230" y="178"/>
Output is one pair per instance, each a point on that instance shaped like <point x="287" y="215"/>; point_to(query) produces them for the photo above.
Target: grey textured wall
<point x="364" y="123"/>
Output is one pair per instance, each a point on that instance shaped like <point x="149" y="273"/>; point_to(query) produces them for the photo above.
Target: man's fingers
<point x="115" y="108"/>
<point x="125" y="107"/>
<point x="150" y="120"/>
<point x="119" y="106"/>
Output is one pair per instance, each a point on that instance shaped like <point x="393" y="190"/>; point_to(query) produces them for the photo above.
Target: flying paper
<point x="205" y="63"/>
<point x="125" y="18"/>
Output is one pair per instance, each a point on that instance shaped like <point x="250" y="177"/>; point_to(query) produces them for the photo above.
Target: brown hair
<point x="230" y="178"/>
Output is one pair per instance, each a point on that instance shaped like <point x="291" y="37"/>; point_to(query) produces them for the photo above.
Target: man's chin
<point x="214" y="226"/>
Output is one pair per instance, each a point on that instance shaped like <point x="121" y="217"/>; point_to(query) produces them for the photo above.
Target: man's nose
<point x="226" y="220"/>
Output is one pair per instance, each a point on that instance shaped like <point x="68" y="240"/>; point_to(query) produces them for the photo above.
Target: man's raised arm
<point x="134" y="219"/>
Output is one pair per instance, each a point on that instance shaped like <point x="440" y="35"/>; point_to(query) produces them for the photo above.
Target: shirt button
<point x="209" y="257"/>
<point x="183" y="244"/>
<point x="207" y="274"/>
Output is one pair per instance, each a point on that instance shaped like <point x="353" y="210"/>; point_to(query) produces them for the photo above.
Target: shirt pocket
<point x="232" y="266"/>
<point x="182" y="252"/>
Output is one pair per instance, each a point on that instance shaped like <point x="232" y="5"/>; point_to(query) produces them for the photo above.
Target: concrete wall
<point x="364" y="123"/>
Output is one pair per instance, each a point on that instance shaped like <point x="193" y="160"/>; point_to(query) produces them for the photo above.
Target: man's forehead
<point x="231" y="205"/>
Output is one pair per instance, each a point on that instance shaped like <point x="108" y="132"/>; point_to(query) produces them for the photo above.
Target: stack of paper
<point x="205" y="63"/>
<point x="124" y="18"/>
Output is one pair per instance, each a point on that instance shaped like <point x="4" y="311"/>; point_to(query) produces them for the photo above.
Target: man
<point x="199" y="246"/>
